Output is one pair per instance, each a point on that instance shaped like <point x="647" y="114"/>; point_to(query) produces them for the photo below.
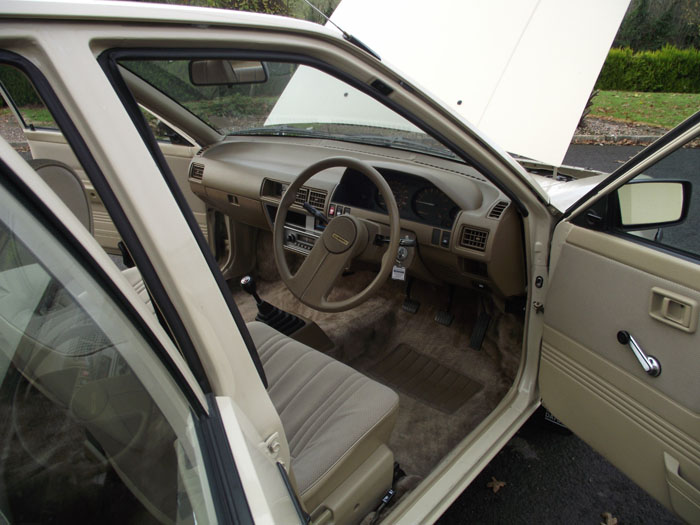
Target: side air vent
<point x="498" y="210"/>
<point x="474" y="239"/>
<point x="202" y="150"/>
<point x="317" y="199"/>
<point x="196" y="171"/>
<point x="302" y="195"/>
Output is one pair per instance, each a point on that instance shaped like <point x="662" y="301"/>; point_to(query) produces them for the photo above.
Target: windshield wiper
<point x="399" y="142"/>
<point x="283" y="131"/>
<point x="384" y="141"/>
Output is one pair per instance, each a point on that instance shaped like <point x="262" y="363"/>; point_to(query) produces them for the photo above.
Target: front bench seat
<point x="337" y="422"/>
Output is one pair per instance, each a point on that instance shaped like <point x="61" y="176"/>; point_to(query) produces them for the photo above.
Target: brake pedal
<point x="445" y="317"/>
<point x="479" y="331"/>
<point x="409" y="305"/>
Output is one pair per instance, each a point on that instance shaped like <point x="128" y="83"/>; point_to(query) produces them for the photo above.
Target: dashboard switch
<point x="445" y="240"/>
<point x="436" y="237"/>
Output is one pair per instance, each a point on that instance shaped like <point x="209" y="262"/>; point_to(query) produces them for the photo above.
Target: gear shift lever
<point x="271" y="315"/>
<point x="248" y="285"/>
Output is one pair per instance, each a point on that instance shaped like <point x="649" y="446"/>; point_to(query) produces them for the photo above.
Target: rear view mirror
<point x="653" y="203"/>
<point x="219" y="72"/>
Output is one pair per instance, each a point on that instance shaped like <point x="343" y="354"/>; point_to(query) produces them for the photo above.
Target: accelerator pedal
<point x="479" y="331"/>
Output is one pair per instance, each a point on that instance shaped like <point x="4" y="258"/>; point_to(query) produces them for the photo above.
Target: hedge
<point x="18" y="86"/>
<point x="667" y="70"/>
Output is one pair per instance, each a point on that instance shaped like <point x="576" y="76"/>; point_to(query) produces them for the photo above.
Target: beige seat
<point x="336" y="420"/>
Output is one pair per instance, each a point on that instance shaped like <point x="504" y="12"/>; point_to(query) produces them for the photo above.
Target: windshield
<point x="291" y="100"/>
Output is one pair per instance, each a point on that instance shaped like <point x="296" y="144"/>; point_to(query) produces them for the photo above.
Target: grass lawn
<point x="656" y="109"/>
<point x="36" y="115"/>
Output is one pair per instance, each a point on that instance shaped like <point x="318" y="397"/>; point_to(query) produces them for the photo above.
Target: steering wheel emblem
<point x="340" y="239"/>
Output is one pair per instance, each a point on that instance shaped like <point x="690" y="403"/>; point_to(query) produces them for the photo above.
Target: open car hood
<point x="521" y="71"/>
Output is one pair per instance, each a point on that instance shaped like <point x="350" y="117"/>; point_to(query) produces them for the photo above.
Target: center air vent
<point x="302" y="194"/>
<point x="474" y="239"/>
<point x="196" y="171"/>
<point x="498" y="210"/>
<point x="317" y="199"/>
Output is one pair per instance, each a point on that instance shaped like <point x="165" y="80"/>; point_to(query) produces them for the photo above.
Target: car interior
<point x="387" y="304"/>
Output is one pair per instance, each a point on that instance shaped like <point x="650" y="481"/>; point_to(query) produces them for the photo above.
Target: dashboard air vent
<point x="302" y="194"/>
<point x="196" y="171"/>
<point x="202" y="150"/>
<point x="474" y="239"/>
<point x="498" y="210"/>
<point x="317" y="199"/>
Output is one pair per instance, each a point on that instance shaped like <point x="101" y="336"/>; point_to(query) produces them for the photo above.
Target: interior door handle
<point x="649" y="363"/>
<point x="674" y="309"/>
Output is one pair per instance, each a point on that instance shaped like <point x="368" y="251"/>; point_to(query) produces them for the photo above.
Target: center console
<point x="301" y="231"/>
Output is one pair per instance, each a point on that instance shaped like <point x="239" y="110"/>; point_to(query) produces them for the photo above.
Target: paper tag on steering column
<point x="398" y="273"/>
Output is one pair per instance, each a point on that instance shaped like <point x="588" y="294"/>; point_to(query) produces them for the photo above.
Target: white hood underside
<point x="520" y="71"/>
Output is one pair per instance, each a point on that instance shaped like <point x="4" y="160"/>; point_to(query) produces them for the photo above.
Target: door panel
<point x="52" y="145"/>
<point x="602" y="284"/>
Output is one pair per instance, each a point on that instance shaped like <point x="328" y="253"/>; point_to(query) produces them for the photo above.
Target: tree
<point x="650" y="24"/>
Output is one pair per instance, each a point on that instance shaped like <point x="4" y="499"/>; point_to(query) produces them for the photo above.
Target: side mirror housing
<point x="221" y="72"/>
<point x="648" y="204"/>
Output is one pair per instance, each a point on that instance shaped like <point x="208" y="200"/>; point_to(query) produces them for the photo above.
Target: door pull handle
<point x="649" y="363"/>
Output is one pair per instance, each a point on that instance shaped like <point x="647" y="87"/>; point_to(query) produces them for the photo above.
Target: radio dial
<point x="291" y="238"/>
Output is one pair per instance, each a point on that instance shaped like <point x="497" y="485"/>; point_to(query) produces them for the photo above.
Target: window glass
<point x="288" y="99"/>
<point x="25" y="99"/>
<point x="681" y="165"/>
<point x="161" y="131"/>
<point x="94" y="429"/>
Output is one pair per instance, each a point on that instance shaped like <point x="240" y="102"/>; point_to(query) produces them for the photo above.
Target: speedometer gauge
<point x="434" y="207"/>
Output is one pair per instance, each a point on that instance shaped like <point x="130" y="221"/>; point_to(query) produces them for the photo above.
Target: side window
<point x="94" y="428"/>
<point x="22" y="97"/>
<point x="161" y="131"/>
<point x="667" y="193"/>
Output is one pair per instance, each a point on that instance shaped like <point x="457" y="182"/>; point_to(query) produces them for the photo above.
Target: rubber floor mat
<point x="424" y="378"/>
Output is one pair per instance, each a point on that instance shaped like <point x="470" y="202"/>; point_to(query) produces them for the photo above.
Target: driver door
<point x="625" y="270"/>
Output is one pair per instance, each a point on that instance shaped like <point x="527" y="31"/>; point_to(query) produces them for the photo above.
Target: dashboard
<point x="463" y="231"/>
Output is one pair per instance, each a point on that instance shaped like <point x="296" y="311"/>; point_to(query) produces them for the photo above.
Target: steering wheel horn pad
<point x="340" y="235"/>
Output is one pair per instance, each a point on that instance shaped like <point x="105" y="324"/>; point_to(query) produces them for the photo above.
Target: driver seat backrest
<point x="337" y="421"/>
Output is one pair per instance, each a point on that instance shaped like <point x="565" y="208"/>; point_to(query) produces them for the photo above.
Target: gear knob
<point x="248" y="285"/>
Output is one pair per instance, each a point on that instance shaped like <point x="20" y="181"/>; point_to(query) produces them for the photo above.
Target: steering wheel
<point x="344" y="238"/>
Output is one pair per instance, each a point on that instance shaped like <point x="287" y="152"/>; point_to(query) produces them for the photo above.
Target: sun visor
<point x="521" y="71"/>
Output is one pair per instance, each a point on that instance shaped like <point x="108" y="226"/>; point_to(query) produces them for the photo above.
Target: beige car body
<point x="585" y="380"/>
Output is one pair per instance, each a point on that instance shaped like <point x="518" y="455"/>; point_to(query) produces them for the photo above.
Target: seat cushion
<point x="334" y="417"/>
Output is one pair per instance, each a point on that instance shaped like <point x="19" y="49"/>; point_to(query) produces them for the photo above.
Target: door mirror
<point x="220" y="72"/>
<point x="653" y="203"/>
